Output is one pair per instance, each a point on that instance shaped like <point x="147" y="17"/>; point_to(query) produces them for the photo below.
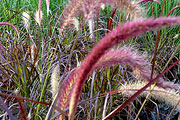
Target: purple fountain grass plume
<point x="70" y="12"/>
<point x="123" y="56"/>
<point x="90" y="7"/>
<point x="173" y="10"/>
<point x="9" y="24"/>
<point x="38" y="14"/>
<point x="67" y="88"/>
<point x="118" y="35"/>
<point x="141" y="66"/>
<point x="141" y="1"/>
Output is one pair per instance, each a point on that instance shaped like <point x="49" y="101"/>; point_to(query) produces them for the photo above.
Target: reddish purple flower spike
<point x="123" y="56"/>
<point x="118" y="35"/>
<point x="90" y="7"/>
<point x="66" y="89"/>
<point x="173" y="10"/>
<point x="141" y="1"/>
<point x="9" y="24"/>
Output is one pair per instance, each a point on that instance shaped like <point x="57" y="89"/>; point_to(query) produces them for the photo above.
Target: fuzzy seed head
<point x="38" y="17"/>
<point x="90" y="7"/>
<point x="176" y="36"/>
<point x="33" y="49"/>
<point x="76" y="23"/>
<point x="102" y="6"/>
<point x="26" y="20"/>
<point x="54" y="79"/>
<point x="91" y="26"/>
<point x="169" y="96"/>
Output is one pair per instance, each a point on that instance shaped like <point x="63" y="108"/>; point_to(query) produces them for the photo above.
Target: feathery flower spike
<point x="168" y="96"/>
<point x="123" y="56"/>
<point x="47" y="6"/>
<point x="119" y="34"/>
<point x="90" y="7"/>
<point x="38" y="14"/>
<point x="141" y="1"/>
<point x="26" y="19"/>
<point x="54" y="79"/>
<point x="9" y="24"/>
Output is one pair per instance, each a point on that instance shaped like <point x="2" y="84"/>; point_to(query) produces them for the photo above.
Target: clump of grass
<point x="123" y="56"/>
<point x="116" y="36"/>
<point x="27" y="61"/>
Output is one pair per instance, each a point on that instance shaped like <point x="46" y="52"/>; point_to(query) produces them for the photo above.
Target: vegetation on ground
<point x="89" y="59"/>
